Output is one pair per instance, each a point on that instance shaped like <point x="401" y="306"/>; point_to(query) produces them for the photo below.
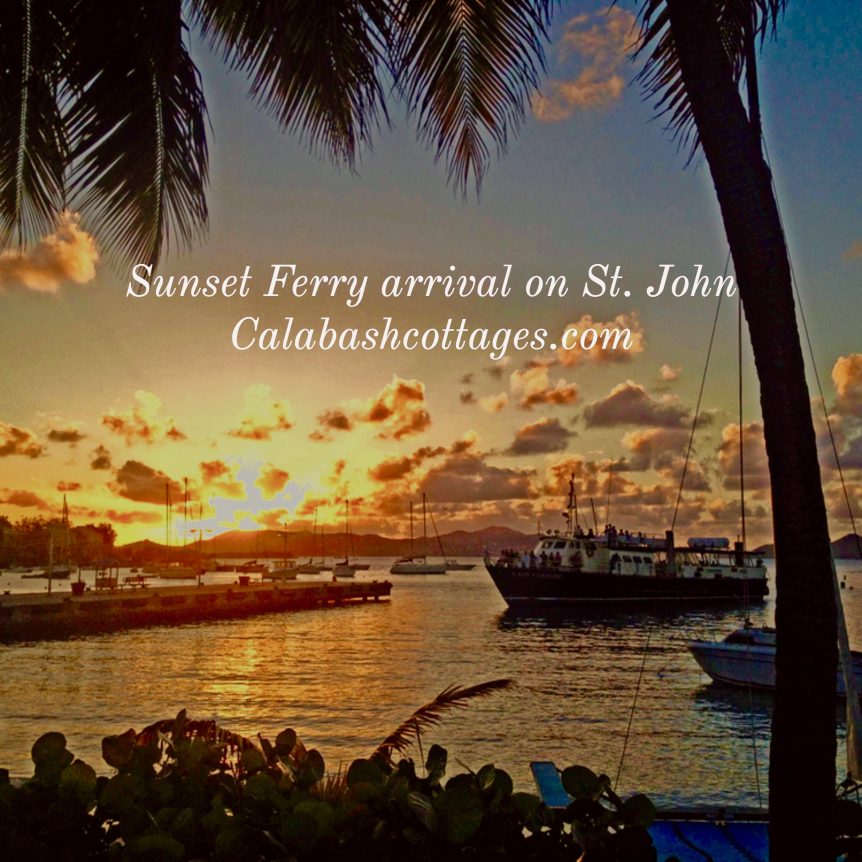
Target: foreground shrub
<point x="189" y="790"/>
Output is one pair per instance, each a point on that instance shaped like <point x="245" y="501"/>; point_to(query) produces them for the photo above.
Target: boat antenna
<point x="424" y="530"/>
<point x="185" y="510"/>
<point x="573" y="502"/>
<point x="608" y="506"/>
<point x="595" y="519"/>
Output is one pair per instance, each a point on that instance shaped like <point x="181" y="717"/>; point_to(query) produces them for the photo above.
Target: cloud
<point x="467" y="477"/>
<point x="100" y="459"/>
<point x="540" y="438"/>
<point x="395" y="469"/>
<point x="854" y="252"/>
<point x="263" y="415"/>
<point x="754" y="453"/>
<point x="141" y="423"/>
<point x="271" y="519"/>
<point x="630" y="404"/>
<point x="220" y="477"/>
<point x="626" y="321"/>
<point x="466" y="397"/>
<point x="133" y="517"/>
<point x="494" y="403"/>
<point x="71" y="434"/>
<point x="68" y="486"/>
<point x="498" y="369"/>
<point x="655" y="448"/>
<point x="19" y="441"/>
<point x="669" y="373"/>
<point x="600" y="40"/>
<point x="23" y="499"/>
<point x="67" y="254"/>
<point x="398" y="409"/>
<point x="271" y="480"/>
<point x="331" y="420"/>
<point x="467" y="379"/>
<point x="847" y="377"/>
<point x="532" y="387"/>
<point x="144" y="484"/>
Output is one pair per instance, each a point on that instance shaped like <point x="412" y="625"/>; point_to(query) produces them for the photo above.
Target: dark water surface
<point x="343" y="678"/>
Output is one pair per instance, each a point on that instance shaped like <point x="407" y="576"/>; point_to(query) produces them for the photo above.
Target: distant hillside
<point x="264" y="543"/>
<point x="845" y="548"/>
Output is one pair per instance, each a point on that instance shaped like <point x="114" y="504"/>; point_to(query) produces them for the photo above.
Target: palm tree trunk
<point x="802" y="758"/>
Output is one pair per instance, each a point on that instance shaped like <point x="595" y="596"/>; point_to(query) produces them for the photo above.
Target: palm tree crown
<point x="102" y="106"/>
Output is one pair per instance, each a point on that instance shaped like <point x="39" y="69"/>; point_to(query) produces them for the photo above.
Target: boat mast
<point x="571" y="509"/>
<point x="424" y="531"/>
<point x="411" y="529"/>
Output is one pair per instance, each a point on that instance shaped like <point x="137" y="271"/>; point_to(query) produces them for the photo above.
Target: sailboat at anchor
<point x="418" y="565"/>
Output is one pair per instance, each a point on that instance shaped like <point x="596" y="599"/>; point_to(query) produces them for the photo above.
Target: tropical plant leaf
<point x="432" y="713"/>
<point x="315" y="66"/>
<point x="467" y="69"/>
<point x="137" y="122"/>
<point x="33" y="146"/>
<point x="742" y="24"/>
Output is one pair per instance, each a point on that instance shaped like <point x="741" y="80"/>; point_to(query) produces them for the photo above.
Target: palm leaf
<point x="432" y="713"/>
<point x="33" y="150"/>
<point x="138" y="126"/>
<point x="467" y="69"/>
<point x="314" y="66"/>
<point x="741" y="22"/>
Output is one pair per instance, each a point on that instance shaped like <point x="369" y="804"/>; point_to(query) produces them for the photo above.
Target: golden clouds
<point x="494" y="403"/>
<point x="22" y="499"/>
<point x="141" y="423"/>
<point x="754" y="453"/>
<point x="847" y="377"/>
<point x="600" y="40"/>
<point x="625" y="321"/>
<point x="100" y="458"/>
<point x="398" y="409"/>
<point x="263" y="416"/>
<point x="19" y="441"/>
<point x="540" y="438"/>
<point x="220" y="479"/>
<point x="67" y="254"/>
<point x="532" y="387"/>
<point x="630" y="404"/>
<point x="143" y="484"/>
<point x="271" y="480"/>
<point x="70" y="434"/>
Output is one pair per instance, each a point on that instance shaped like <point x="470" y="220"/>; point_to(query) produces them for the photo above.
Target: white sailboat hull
<point x="750" y="664"/>
<point x="415" y="568"/>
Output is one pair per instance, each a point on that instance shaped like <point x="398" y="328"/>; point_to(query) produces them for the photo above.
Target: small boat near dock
<point x="746" y="658"/>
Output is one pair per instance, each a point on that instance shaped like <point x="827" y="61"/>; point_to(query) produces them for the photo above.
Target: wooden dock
<point x="33" y="616"/>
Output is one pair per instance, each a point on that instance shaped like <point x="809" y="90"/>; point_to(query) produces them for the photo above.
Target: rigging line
<point x="634" y="705"/>
<point x="804" y="321"/>
<point x="699" y="399"/>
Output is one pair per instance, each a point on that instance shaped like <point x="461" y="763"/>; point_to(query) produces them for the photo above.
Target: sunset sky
<point x="105" y="398"/>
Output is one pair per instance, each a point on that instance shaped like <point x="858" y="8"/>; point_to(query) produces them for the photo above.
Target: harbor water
<point x="587" y="684"/>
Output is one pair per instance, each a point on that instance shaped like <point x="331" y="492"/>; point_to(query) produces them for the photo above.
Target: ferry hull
<point x="543" y="587"/>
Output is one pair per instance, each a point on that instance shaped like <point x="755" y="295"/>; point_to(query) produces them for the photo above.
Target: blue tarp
<point x="690" y="839"/>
